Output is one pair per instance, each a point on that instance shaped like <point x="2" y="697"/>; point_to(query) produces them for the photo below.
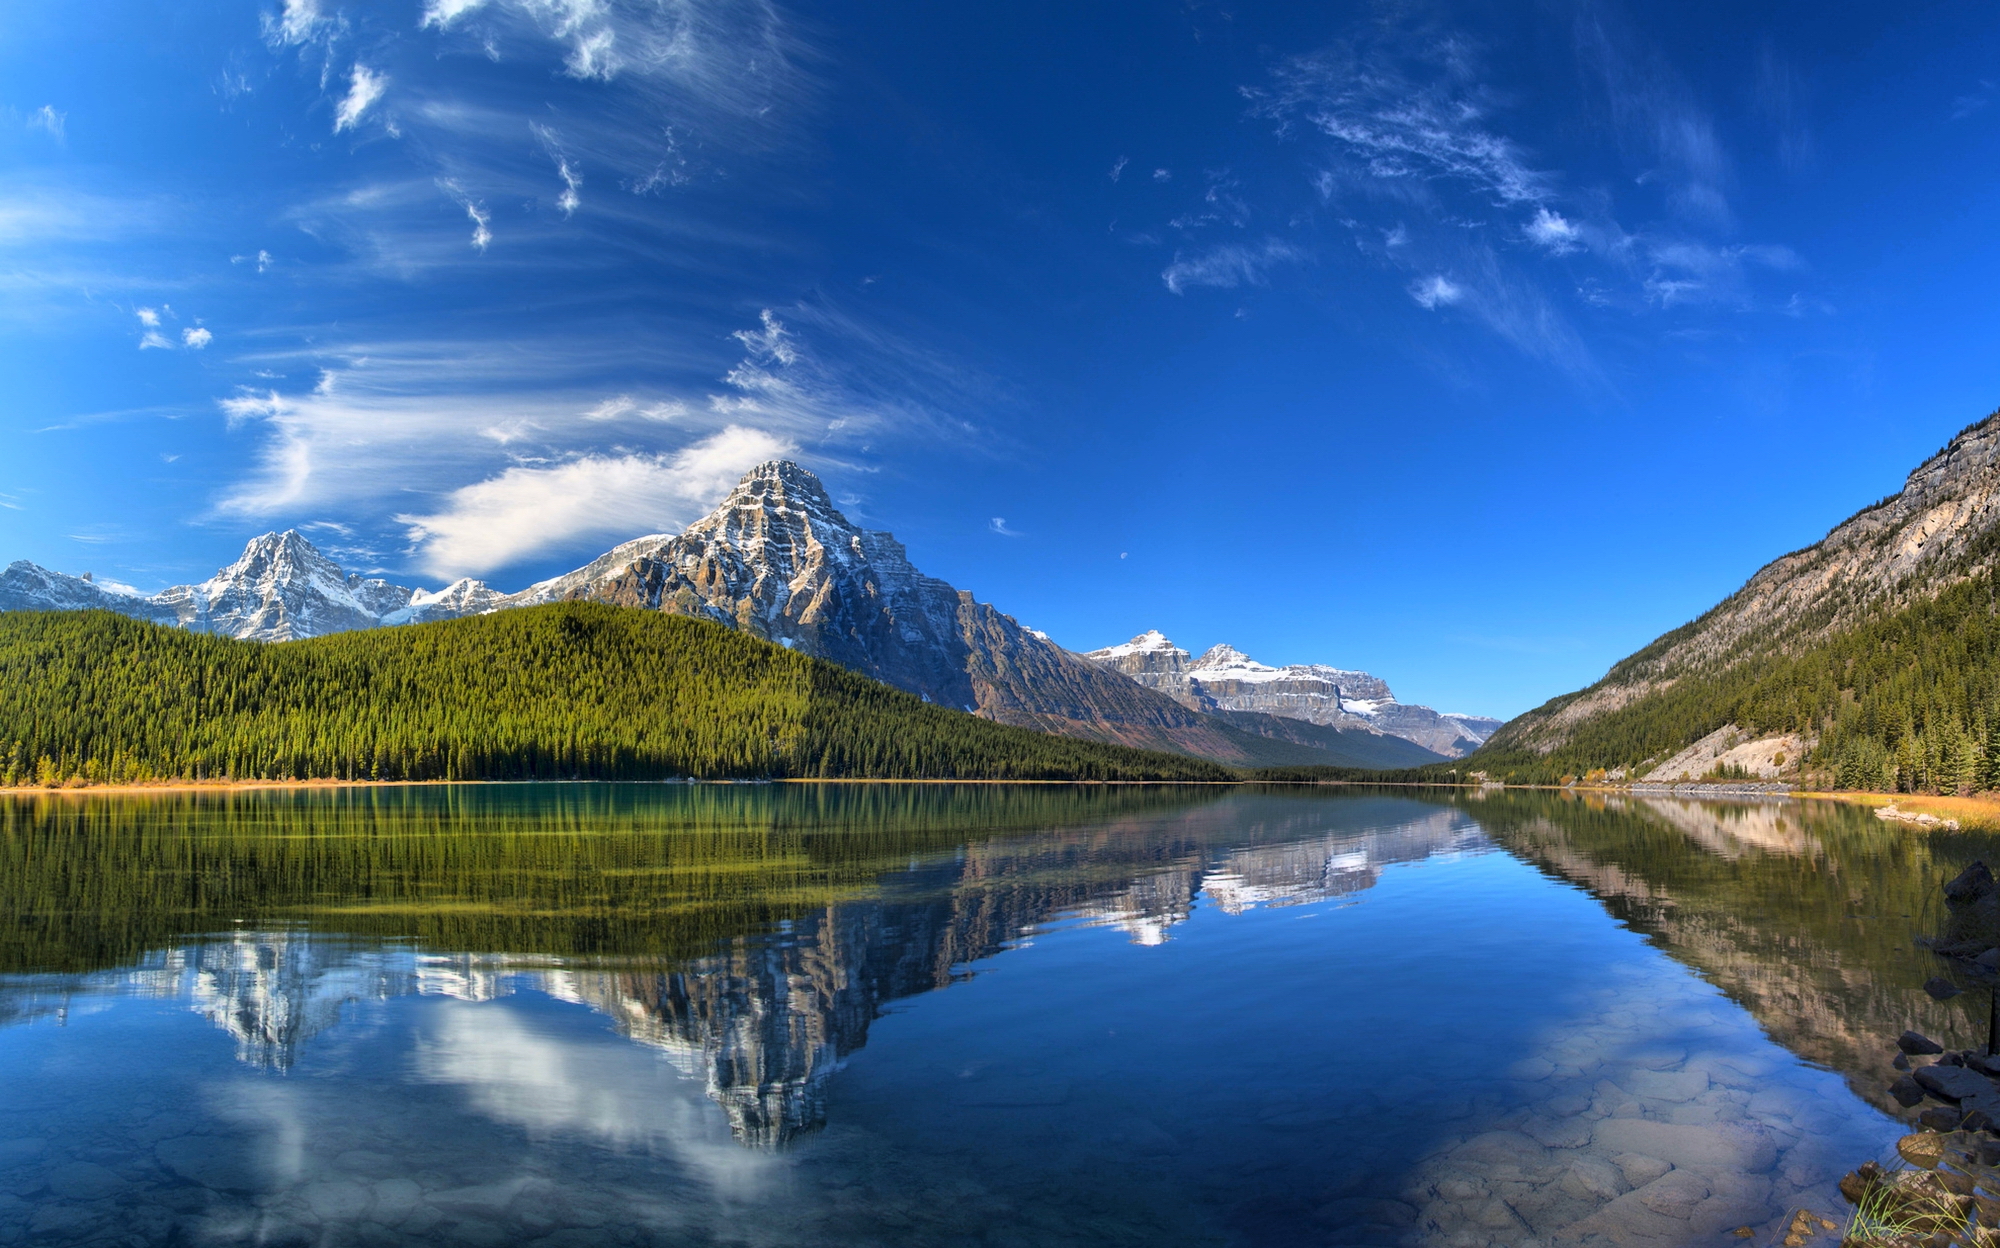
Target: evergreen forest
<point x="571" y="691"/>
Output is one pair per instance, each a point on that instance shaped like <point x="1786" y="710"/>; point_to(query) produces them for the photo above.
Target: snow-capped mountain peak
<point x="1152" y="641"/>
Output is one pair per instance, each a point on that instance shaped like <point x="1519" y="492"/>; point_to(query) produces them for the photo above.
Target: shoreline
<point x="235" y="786"/>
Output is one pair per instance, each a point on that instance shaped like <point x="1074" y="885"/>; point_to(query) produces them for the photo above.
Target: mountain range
<point x="778" y="560"/>
<point x="1224" y="679"/>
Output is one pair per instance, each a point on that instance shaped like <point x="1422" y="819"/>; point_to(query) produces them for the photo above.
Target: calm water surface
<point x="579" y="1015"/>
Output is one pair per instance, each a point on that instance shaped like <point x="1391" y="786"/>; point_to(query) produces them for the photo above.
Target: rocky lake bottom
<point x="576" y="1015"/>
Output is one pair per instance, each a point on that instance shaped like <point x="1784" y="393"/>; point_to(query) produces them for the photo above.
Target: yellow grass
<point x="1982" y="813"/>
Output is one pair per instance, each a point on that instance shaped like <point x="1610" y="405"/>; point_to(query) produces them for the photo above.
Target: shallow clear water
<point x="947" y="1015"/>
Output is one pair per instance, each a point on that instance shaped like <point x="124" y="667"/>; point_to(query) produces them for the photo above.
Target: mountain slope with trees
<point x="1878" y="647"/>
<point x="573" y="690"/>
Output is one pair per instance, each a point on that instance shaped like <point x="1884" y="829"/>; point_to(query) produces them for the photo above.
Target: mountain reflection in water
<point x="765" y="1019"/>
<point x="494" y="1013"/>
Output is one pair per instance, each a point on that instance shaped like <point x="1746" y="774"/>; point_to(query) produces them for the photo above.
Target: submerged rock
<point x="1918" y="1045"/>
<point x="1907" y="1091"/>
<point x="1955" y="1083"/>
<point x="1940" y="1118"/>
<point x="1941" y="989"/>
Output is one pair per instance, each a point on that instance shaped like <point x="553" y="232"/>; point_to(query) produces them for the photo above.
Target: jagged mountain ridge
<point x="778" y="560"/>
<point x="1224" y="679"/>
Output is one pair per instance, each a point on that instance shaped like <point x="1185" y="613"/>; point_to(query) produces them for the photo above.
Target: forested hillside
<point x="1875" y="645"/>
<point x="573" y="690"/>
<point x="1908" y="698"/>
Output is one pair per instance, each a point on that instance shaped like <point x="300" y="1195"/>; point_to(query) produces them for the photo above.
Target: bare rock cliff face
<point x="1224" y="679"/>
<point x="1940" y="529"/>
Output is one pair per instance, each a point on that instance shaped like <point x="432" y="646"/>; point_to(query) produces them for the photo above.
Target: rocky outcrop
<point x="1224" y="679"/>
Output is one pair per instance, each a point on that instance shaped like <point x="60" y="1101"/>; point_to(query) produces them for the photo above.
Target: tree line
<point x="567" y="691"/>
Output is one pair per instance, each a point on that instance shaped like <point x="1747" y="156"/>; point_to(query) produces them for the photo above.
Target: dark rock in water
<point x="1912" y="1042"/>
<point x="1990" y="959"/>
<point x="1902" y="1061"/>
<point x="1940" y="1118"/>
<point x="1975" y="911"/>
<point x="1969" y="885"/>
<point x="1952" y="1059"/>
<point x="1954" y="1083"/>
<point x="1983" y="1062"/>
<point x="1941" y="988"/>
<point x="1977" y="1120"/>
<point x="1907" y="1091"/>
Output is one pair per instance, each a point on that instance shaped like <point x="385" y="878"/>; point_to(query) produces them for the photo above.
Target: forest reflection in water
<point x="756" y="936"/>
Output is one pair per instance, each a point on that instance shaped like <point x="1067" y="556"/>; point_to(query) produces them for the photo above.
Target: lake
<point x="921" y="1014"/>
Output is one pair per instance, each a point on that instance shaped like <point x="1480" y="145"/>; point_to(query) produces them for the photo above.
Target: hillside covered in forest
<point x="567" y="691"/>
<point x="1868" y="660"/>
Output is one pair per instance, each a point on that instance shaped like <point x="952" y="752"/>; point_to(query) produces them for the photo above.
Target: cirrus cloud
<point x="527" y="510"/>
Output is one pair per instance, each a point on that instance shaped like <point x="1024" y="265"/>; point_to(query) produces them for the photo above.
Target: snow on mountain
<point x="1226" y="679"/>
<point x="281" y="588"/>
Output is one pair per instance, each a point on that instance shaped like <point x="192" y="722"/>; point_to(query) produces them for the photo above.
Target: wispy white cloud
<point x="525" y="511"/>
<point x="569" y="201"/>
<point x="475" y="212"/>
<point x="1656" y="113"/>
<point x="1398" y="127"/>
<point x="1229" y="265"/>
<point x="150" y="337"/>
<point x="737" y="54"/>
<point x="298" y="22"/>
<point x="387" y="421"/>
<point x="364" y="88"/>
<point x="1552" y="230"/>
<point x="1118" y="167"/>
<point x="625" y="407"/>
<point x="197" y="337"/>
<point x="999" y="525"/>
<point x="49" y="121"/>
<point x="1436" y="291"/>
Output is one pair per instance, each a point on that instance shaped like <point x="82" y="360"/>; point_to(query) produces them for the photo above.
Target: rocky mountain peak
<point x="1225" y="659"/>
<point x="1226" y="680"/>
<point x="278" y="558"/>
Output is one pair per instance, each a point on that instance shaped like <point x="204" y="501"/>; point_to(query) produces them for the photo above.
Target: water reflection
<point x="919" y="1015"/>
<point x="764" y="1021"/>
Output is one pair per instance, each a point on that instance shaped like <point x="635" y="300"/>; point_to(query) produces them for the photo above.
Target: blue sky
<point x="1474" y="345"/>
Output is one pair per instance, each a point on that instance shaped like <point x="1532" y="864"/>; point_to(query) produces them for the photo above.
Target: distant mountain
<point x="1871" y="657"/>
<point x="1225" y="679"/>
<point x="280" y="589"/>
<point x="778" y="560"/>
